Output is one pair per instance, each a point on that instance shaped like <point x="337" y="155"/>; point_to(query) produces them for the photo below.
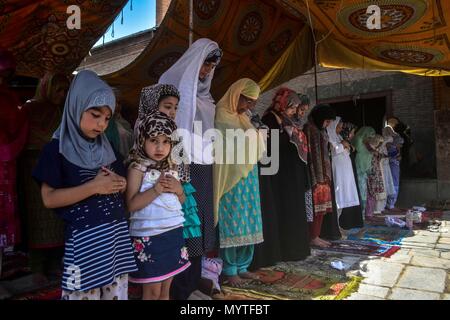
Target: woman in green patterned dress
<point x="237" y="207"/>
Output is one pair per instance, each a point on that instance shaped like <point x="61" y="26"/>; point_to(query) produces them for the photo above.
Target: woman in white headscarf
<point x="344" y="180"/>
<point x="192" y="75"/>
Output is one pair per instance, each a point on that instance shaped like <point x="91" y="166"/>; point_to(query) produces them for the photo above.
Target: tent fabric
<point x="408" y="40"/>
<point x="252" y="34"/>
<point x="268" y="41"/>
<point x="36" y="32"/>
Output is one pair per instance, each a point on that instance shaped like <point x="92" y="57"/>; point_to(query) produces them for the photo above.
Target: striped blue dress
<point x="97" y="240"/>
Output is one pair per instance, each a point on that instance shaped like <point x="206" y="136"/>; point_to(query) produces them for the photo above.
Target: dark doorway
<point x="363" y="112"/>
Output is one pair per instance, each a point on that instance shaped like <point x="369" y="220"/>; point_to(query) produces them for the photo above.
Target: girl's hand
<point x="159" y="187"/>
<point x="172" y="185"/>
<point x="122" y="179"/>
<point x="106" y="183"/>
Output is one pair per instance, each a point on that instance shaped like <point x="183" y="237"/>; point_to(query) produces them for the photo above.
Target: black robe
<point x="352" y="217"/>
<point x="285" y="226"/>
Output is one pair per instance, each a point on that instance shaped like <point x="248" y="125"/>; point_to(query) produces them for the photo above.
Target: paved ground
<point x="420" y="270"/>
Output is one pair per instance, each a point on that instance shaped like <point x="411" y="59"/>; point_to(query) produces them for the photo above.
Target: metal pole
<point x="191" y="21"/>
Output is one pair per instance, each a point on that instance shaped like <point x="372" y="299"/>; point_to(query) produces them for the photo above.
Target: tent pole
<point x="191" y="21"/>
<point x="315" y="73"/>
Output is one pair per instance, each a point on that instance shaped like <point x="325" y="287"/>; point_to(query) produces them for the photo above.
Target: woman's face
<point x="290" y="112"/>
<point x="94" y="121"/>
<point x="302" y="110"/>
<point x="169" y="106"/>
<point x="157" y="148"/>
<point x="206" y="69"/>
<point x="351" y="134"/>
<point x="339" y="127"/>
<point x="326" y="123"/>
<point x="245" y="104"/>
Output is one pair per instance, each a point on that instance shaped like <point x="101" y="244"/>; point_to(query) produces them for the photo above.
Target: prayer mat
<point x="427" y="216"/>
<point x="50" y="293"/>
<point x="363" y="248"/>
<point x="379" y="235"/>
<point x="288" y="281"/>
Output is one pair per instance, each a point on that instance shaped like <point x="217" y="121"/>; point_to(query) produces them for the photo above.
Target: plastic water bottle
<point x="409" y="219"/>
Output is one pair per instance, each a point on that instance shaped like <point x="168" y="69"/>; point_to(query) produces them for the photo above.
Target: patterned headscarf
<point x="347" y="128"/>
<point x="152" y="126"/>
<point x="284" y="99"/>
<point x="214" y="56"/>
<point x="151" y="96"/>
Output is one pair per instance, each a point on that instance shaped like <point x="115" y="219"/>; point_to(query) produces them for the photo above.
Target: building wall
<point x="413" y="99"/>
<point x="117" y="54"/>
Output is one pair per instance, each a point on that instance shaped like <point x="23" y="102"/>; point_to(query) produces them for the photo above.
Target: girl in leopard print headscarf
<point x="154" y="198"/>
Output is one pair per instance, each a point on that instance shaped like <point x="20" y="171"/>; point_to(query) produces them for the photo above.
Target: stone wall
<point x="411" y="98"/>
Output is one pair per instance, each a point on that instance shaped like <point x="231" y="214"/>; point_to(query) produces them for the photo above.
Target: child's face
<point x="94" y="121"/>
<point x="157" y="148"/>
<point x="169" y="106"/>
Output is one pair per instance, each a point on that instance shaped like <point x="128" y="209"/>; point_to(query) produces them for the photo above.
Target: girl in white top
<point x="154" y="197"/>
<point x="344" y="179"/>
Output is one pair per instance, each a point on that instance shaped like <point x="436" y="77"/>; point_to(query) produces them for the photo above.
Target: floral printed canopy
<point x="267" y="40"/>
<point x="37" y="34"/>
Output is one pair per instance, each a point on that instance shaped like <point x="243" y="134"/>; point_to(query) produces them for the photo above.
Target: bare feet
<point x="233" y="281"/>
<point x="344" y="233"/>
<point x="249" y="275"/>
<point x="317" y="242"/>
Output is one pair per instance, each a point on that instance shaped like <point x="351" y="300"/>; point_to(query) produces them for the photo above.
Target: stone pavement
<point x="420" y="270"/>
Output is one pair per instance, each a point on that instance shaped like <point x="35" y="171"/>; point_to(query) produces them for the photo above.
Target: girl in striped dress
<point x="82" y="179"/>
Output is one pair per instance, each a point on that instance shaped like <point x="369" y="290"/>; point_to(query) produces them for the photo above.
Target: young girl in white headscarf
<point x="82" y="179"/>
<point x="192" y="75"/>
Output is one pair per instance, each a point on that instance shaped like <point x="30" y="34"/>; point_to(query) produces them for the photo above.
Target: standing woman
<point x="363" y="161"/>
<point x="321" y="176"/>
<point x="395" y="156"/>
<point x="351" y="217"/>
<point x="237" y="206"/>
<point x="192" y="75"/>
<point x="45" y="230"/>
<point x="375" y="184"/>
<point x="285" y="225"/>
<point x="345" y="189"/>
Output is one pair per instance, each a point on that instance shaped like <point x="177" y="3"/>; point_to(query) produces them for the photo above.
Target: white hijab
<point x="196" y="102"/>
<point x="333" y="137"/>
